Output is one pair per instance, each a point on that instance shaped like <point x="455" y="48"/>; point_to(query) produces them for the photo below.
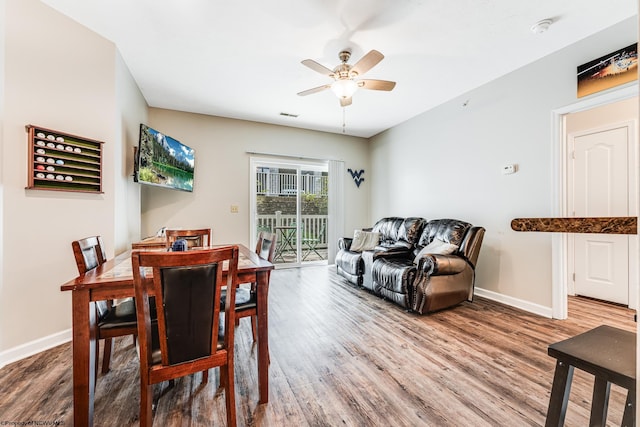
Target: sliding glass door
<point x="291" y="199"/>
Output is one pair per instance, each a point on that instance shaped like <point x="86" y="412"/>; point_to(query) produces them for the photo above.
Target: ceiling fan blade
<point x="317" y="67"/>
<point x="376" y="84"/>
<point x="367" y="62"/>
<point x="345" y="101"/>
<point x="314" y="90"/>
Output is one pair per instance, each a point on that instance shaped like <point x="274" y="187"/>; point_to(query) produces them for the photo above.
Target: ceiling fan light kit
<point x="344" y="88"/>
<point x="345" y="82"/>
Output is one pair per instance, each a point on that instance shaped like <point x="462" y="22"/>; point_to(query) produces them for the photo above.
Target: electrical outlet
<point x="234" y="208"/>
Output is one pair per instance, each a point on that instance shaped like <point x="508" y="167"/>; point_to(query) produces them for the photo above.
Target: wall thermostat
<point x="509" y="169"/>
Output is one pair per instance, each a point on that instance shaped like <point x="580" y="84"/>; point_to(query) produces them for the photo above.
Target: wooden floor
<point x="341" y="356"/>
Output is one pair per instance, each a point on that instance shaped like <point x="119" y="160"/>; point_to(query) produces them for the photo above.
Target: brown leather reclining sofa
<point x="400" y="269"/>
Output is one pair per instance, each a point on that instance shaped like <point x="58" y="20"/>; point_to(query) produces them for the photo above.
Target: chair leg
<point x="559" y="394"/>
<point x="205" y="376"/>
<point x="629" y="416"/>
<point x="600" y="402"/>
<point x="106" y="356"/>
<point x="146" y="400"/>
<point x="223" y="380"/>
<point x="226" y="373"/>
<point x="254" y="327"/>
<point x="95" y="367"/>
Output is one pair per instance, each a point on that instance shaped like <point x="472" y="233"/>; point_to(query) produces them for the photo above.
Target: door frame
<point x="559" y="241"/>
<point x="298" y="164"/>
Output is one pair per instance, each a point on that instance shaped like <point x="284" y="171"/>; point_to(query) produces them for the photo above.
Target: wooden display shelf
<point x="60" y="161"/>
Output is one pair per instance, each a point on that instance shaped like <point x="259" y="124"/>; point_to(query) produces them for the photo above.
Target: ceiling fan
<point x="345" y="76"/>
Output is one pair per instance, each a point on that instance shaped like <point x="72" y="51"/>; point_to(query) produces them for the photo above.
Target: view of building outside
<point x="276" y="207"/>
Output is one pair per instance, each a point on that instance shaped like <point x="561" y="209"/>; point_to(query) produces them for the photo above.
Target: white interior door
<point x="601" y="188"/>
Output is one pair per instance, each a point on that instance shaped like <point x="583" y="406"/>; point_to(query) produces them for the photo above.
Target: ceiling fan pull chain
<point x="344" y="113"/>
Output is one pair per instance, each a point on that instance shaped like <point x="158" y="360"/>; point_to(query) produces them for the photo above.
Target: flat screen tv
<point x="163" y="161"/>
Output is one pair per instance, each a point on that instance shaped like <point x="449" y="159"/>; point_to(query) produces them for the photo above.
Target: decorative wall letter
<point x="357" y="176"/>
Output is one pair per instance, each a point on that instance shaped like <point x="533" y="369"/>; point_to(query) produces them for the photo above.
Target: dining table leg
<point x="84" y="357"/>
<point x="262" y="311"/>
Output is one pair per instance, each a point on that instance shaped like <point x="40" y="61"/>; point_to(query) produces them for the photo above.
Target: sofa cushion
<point x="364" y="241"/>
<point x="437" y="246"/>
<point x="388" y="229"/>
<point x="392" y="278"/>
<point x="411" y="230"/>
<point x="446" y="230"/>
<point x="396" y="232"/>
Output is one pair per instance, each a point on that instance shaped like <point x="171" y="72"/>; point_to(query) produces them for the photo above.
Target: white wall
<point x="452" y="155"/>
<point x="57" y="75"/>
<point x="132" y="110"/>
<point x="62" y="76"/>
<point x="222" y="172"/>
<point x="444" y="163"/>
<point x="2" y="84"/>
<point x="620" y="111"/>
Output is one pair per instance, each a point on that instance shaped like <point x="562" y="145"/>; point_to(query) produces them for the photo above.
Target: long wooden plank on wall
<point x="602" y="225"/>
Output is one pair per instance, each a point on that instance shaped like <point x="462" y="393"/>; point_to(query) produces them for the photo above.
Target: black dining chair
<point x="188" y="336"/>
<point x="246" y="298"/>
<point x="112" y="320"/>
<point x="196" y="237"/>
<point x="311" y="243"/>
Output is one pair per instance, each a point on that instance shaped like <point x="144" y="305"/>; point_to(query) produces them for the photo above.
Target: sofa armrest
<point x="442" y="265"/>
<point x="345" y="243"/>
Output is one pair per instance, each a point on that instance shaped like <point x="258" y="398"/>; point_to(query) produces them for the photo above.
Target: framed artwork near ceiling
<point x="611" y="70"/>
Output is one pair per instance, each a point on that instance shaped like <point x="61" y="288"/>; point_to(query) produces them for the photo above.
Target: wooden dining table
<point x="113" y="280"/>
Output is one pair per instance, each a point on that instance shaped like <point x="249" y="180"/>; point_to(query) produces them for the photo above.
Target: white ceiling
<point x="241" y="58"/>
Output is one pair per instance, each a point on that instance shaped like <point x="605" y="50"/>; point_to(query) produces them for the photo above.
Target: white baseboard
<point x="515" y="302"/>
<point x="28" y="349"/>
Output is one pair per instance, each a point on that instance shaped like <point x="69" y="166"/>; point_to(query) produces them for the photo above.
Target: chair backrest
<point x="470" y="246"/>
<point x="266" y="245"/>
<point x="89" y="253"/>
<point x="322" y="231"/>
<point x="187" y="287"/>
<point x="402" y="232"/>
<point x="446" y="230"/>
<point x="467" y="237"/>
<point x="195" y="237"/>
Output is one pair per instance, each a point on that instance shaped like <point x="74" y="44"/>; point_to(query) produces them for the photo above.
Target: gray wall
<point x="443" y="163"/>
<point x="61" y="76"/>
<point x="222" y="172"/>
<point x="447" y="163"/>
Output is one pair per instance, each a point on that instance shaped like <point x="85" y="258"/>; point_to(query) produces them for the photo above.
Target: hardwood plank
<point x="342" y="356"/>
